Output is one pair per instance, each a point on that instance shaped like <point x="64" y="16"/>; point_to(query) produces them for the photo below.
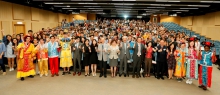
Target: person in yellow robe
<point x="65" y="56"/>
<point x="25" y="64"/>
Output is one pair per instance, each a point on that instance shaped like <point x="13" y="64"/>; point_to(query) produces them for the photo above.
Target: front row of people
<point x="183" y="62"/>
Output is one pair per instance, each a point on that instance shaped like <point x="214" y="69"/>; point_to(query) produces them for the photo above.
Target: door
<point x="19" y="28"/>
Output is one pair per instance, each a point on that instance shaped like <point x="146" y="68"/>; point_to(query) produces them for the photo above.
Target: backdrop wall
<point x="166" y="18"/>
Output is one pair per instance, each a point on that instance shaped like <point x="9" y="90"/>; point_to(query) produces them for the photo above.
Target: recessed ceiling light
<point x="67" y="6"/>
<point x="173" y="1"/>
<point x="155" y="15"/>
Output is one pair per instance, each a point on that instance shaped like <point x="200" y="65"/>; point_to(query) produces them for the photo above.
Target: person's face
<point x="35" y="41"/>
<point x="182" y="46"/>
<point x="94" y="42"/>
<point x="52" y="39"/>
<point x="206" y="48"/>
<point x="87" y="42"/>
<point x="30" y="33"/>
<point x="9" y="38"/>
<point x="161" y="42"/>
<point x="191" y="44"/>
<point x="15" y="41"/>
<point x="149" y="44"/>
<point x="77" y="40"/>
<point x="41" y="41"/>
<point x="114" y="43"/>
<point x="18" y="37"/>
<point x="35" y="35"/>
<point x="139" y="40"/>
<point x="124" y="39"/>
<point x="28" y="39"/>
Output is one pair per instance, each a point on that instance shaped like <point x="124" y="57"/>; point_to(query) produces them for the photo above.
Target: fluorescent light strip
<point x="206" y="1"/>
<point x="180" y="10"/>
<point x="52" y="3"/>
<point x="173" y="1"/>
<point x="189" y="8"/>
<point x="69" y="8"/>
<point x="155" y="7"/>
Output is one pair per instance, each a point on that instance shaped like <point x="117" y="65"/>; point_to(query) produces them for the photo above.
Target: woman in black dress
<point x="171" y="60"/>
<point x="93" y="57"/>
<point x="86" y="55"/>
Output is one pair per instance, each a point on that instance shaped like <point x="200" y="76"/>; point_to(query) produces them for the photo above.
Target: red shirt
<point x="149" y="53"/>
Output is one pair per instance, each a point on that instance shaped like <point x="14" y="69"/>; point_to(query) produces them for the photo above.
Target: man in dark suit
<point x="124" y="56"/>
<point x="161" y="59"/>
<point x="77" y="55"/>
<point x="138" y="57"/>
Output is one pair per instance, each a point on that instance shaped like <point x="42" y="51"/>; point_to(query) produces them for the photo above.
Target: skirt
<point x="113" y="62"/>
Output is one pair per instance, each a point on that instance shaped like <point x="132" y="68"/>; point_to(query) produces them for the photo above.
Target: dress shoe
<point x="31" y="76"/>
<point x="124" y="75"/>
<point x="74" y="73"/>
<point x="100" y="75"/>
<point x="63" y="73"/>
<point x="57" y="74"/>
<point x="79" y="73"/>
<point x="119" y="75"/>
<point x="22" y="78"/>
<point x="52" y="75"/>
<point x="105" y="76"/>
<point x="162" y="78"/>
<point x="201" y="86"/>
<point x="137" y="76"/>
<point x="158" y="77"/>
<point x="133" y="76"/>
<point x="68" y="72"/>
<point x="204" y="88"/>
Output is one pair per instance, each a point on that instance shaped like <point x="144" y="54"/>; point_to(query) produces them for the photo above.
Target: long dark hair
<point x="95" y="44"/>
<point x="13" y="44"/>
<point x="193" y="44"/>
<point x="19" y="40"/>
<point x="7" y="41"/>
<point x="169" y="47"/>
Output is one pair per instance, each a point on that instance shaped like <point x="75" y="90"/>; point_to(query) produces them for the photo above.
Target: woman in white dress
<point x="9" y="54"/>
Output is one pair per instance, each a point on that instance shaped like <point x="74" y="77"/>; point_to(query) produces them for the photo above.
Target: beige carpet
<point x="69" y="85"/>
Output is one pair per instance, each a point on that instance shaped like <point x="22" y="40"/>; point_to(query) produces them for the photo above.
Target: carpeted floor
<point x="74" y="85"/>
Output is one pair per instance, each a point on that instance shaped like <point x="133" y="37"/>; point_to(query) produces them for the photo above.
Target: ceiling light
<point x="180" y="10"/>
<point x="53" y="3"/>
<point x="206" y="1"/>
<point x="199" y="5"/>
<point x="165" y="5"/>
<point x="173" y="1"/>
<point x="155" y="15"/>
<point x="125" y="16"/>
<point x="144" y="14"/>
<point x="67" y="6"/>
<point x="189" y="8"/>
<point x="155" y="7"/>
<point x="70" y="10"/>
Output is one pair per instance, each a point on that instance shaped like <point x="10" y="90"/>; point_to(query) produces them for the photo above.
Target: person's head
<point x="30" y="32"/>
<point x="182" y="45"/>
<point x="162" y="42"/>
<point x="94" y="42"/>
<point x="35" y="41"/>
<point x="172" y="47"/>
<point x="65" y="34"/>
<point x="113" y="42"/>
<point x="27" y="39"/>
<point x="102" y="40"/>
<point x="207" y="48"/>
<point x="139" y="39"/>
<point x="52" y="38"/>
<point x="192" y="44"/>
<point x="41" y="41"/>
<point x="18" y="36"/>
<point x="15" y="40"/>
<point x="39" y="37"/>
<point x="77" y="39"/>
<point x="86" y="42"/>
<point x="149" y="44"/>
<point x="124" y="38"/>
<point x="91" y="37"/>
<point x="35" y="35"/>
<point x="9" y="37"/>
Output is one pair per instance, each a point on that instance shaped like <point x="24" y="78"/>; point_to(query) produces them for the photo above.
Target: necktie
<point x="125" y="47"/>
<point x="139" y="50"/>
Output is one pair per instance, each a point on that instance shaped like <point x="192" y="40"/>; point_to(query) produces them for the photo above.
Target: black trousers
<point x="160" y="68"/>
<point x="2" y="65"/>
<point x="103" y="67"/>
<point x="137" y="66"/>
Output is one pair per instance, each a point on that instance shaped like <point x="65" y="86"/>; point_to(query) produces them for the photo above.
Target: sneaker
<point x="12" y="69"/>
<point x="46" y="75"/>
<point x="187" y="81"/>
<point x="41" y="75"/>
<point x="190" y="81"/>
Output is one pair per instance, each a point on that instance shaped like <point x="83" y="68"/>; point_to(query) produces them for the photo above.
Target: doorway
<point x="19" y="28"/>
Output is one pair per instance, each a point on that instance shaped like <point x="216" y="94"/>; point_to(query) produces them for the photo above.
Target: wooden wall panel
<point x="91" y="17"/>
<point x="27" y="26"/>
<point x="5" y="11"/>
<point x="82" y="16"/>
<point x="189" y="20"/>
<point x="208" y="19"/>
<point x="18" y="12"/>
<point x="7" y="26"/>
<point x="165" y="18"/>
<point x="27" y="13"/>
<point x="217" y="18"/>
<point x="35" y="14"/>
<point x="0" y="29"/>
<point x="53" y="17"/>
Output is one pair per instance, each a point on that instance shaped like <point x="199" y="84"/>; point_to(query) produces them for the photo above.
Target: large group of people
<point x="144" y="47"/>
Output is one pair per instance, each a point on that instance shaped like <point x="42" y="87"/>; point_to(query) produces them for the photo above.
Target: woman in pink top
<point x="148" y="58"/>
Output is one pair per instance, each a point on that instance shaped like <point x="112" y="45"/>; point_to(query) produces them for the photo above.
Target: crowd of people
<point x="144" y="47"/>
